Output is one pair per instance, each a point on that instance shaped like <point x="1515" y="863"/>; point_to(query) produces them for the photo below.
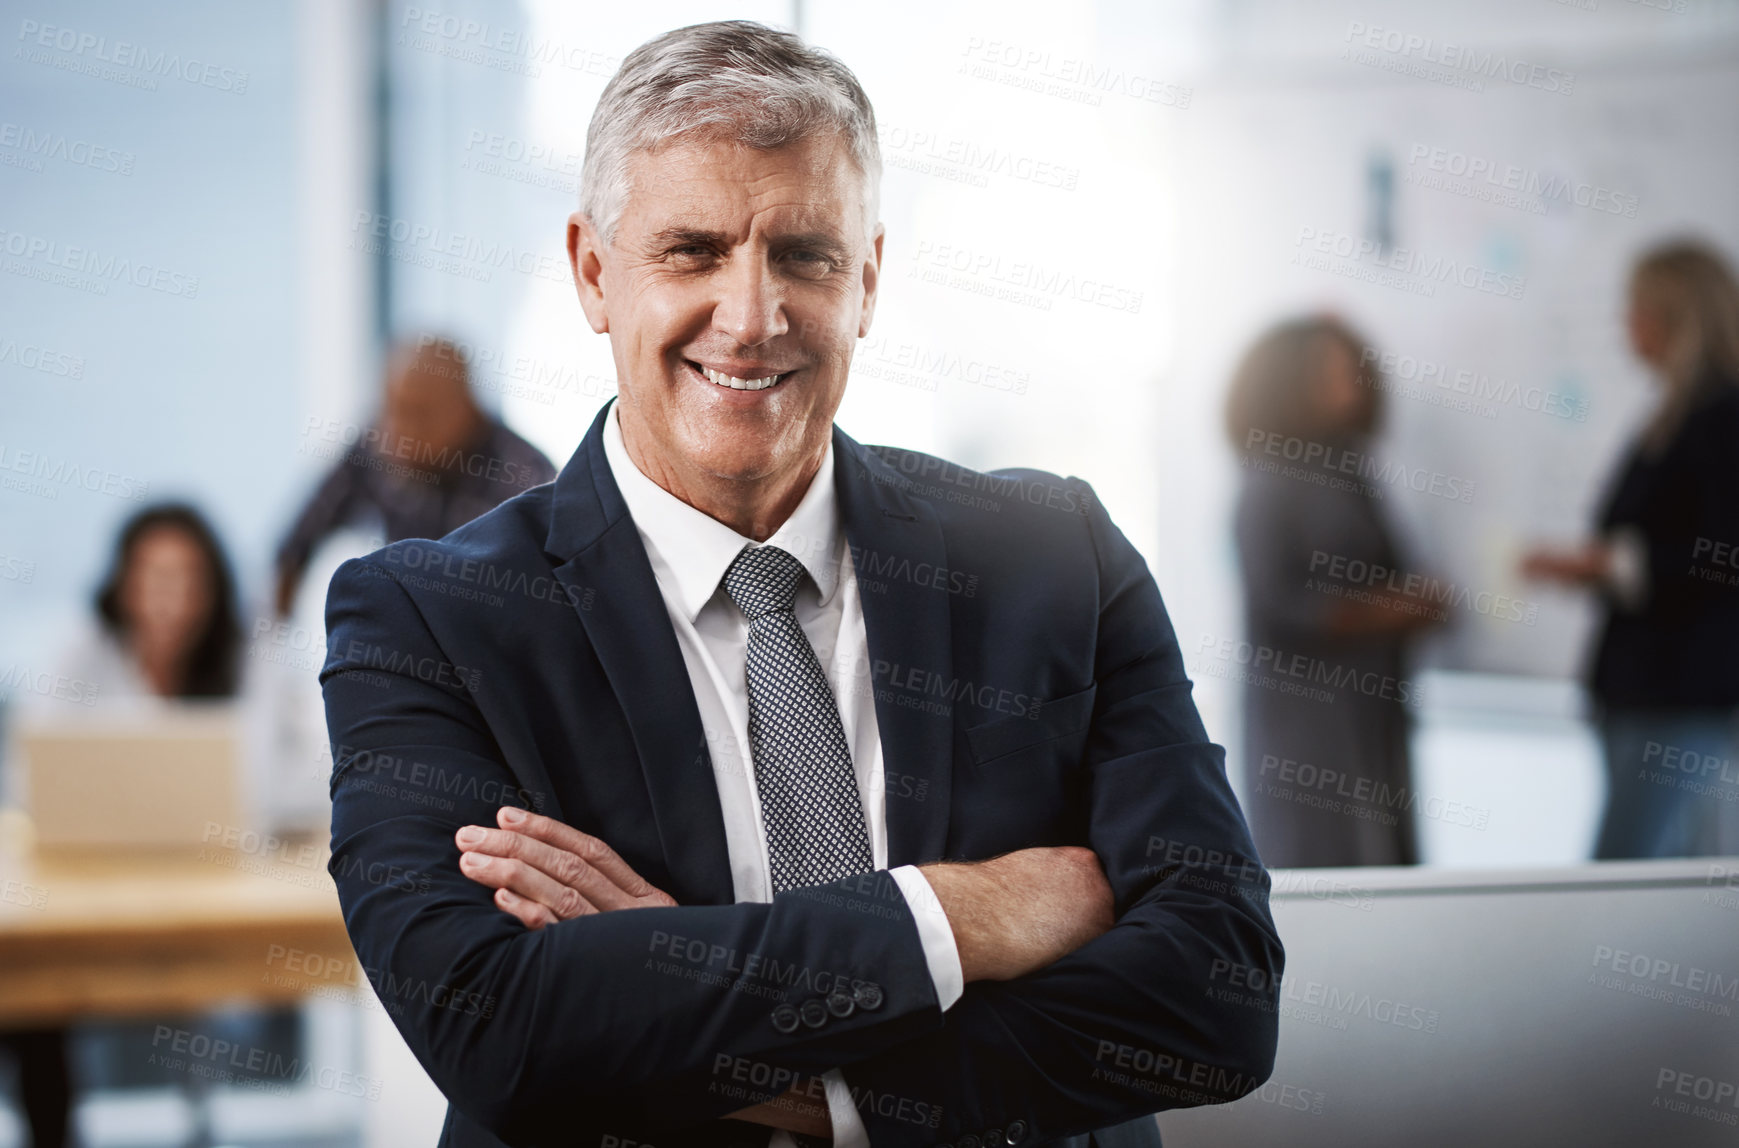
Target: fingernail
<point x="470" y="835"/>
<point x="511" y="815"/>
<point x="506" y="897"/>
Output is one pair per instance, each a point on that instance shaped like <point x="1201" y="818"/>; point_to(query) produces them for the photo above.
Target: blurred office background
<point x="1092" y="210"/>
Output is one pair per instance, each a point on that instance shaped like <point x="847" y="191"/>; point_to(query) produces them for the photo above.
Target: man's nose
<point x="751" y="306"/>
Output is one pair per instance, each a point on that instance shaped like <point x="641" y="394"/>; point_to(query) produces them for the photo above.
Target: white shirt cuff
<point x="848" y="1128"/>
<point x="934" y="933"/>
<point x="1627" y="576"/>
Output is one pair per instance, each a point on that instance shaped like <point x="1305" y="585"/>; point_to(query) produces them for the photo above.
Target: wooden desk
<point x="94" y="936"/>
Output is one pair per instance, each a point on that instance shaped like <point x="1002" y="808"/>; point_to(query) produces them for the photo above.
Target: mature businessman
<point x="748" y="783"/>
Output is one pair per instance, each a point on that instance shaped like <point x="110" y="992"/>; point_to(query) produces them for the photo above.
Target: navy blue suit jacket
<point x="1029" y="691"/>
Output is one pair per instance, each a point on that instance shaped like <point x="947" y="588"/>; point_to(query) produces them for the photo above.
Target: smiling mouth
<point x="731" y="382"/>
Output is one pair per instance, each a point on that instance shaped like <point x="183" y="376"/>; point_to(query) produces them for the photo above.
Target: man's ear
<point x="585" y="256"/>
<point x="872" y="277"/>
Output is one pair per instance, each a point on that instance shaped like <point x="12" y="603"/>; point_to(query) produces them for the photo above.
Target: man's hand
<point x="1017" y="913"/>
<point x="543" y="871"/>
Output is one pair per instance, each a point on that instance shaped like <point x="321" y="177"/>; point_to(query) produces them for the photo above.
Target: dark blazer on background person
<point x="1029" y="691"/>
<point x="1679" y="646"/>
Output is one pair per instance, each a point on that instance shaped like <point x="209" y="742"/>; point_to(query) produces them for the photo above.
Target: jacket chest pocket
<point x="1016" y="784"/>
<point x="1055" y="732"/>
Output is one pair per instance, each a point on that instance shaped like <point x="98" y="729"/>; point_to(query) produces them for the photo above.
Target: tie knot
<point x="763" y="580"/>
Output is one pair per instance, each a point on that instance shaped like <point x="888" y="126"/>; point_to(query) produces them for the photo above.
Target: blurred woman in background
<point x="1326" y="767"/>
<point x="1666" y="671"/>
<point x="166" y="613"/>
<point x="166" y="628"/>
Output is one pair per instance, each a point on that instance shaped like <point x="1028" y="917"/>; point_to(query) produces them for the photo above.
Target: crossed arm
<point x="1065" y="1025"/>
<point x="1010" y="915"/>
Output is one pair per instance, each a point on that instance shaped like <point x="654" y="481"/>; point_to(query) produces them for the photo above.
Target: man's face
<point x="732" y="263"/>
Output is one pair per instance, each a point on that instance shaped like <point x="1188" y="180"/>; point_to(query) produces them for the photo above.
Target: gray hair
<point x="730" y="80"/>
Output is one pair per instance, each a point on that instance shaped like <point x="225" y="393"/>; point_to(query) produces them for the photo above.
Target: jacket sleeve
<point x="1176" y="1005"/>
<point x="616" y="1024"/>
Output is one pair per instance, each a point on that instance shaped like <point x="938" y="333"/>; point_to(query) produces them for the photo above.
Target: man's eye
<point x="811" y="264"/>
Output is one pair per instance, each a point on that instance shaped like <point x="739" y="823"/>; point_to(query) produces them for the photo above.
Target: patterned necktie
<point x="803" y="770"/>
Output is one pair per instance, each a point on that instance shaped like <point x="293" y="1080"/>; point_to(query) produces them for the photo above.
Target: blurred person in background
<point x="1665" y="677"/>
<point x="432" y="461"/>
<point x="166" y="613"/>
<point x="165" y="628"/>
<point x="1308" y="382"/>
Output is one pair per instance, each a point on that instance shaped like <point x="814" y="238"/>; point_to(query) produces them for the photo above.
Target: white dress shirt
<point x="690" y="553"/>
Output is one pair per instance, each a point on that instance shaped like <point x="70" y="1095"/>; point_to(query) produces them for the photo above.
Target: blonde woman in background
<point x="1666" y="671"/>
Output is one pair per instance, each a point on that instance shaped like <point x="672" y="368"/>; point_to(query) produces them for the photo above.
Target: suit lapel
<point x="894" y="539"/>
<point x="625" y="618"/>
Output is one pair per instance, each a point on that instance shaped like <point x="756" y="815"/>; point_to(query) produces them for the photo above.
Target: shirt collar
<point x="694" y="550"/>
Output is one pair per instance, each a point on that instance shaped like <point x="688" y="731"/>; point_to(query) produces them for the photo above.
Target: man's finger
<point x="562" y="866"/>
<point x="589" y="849"/>
<point x="531" y="914"/>
<point x="533" y="884"/>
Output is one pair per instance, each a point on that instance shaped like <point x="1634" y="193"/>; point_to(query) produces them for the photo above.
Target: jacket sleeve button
<point x="869" y="996"/>
<point x="785" y="1019"/>
<point x="1016" y="1131"/>
<point x="840" y="1003"/>
<point x="814" y="1013"/>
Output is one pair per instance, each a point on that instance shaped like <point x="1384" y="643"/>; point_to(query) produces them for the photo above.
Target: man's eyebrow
<point x="822" y="241"/>
<point x="681" y="236"/>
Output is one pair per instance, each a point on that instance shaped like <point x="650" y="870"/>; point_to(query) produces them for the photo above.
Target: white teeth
<point x="737" y="384"/>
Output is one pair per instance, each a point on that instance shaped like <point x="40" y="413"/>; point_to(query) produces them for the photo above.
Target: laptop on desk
<point x="149" y="779"/>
